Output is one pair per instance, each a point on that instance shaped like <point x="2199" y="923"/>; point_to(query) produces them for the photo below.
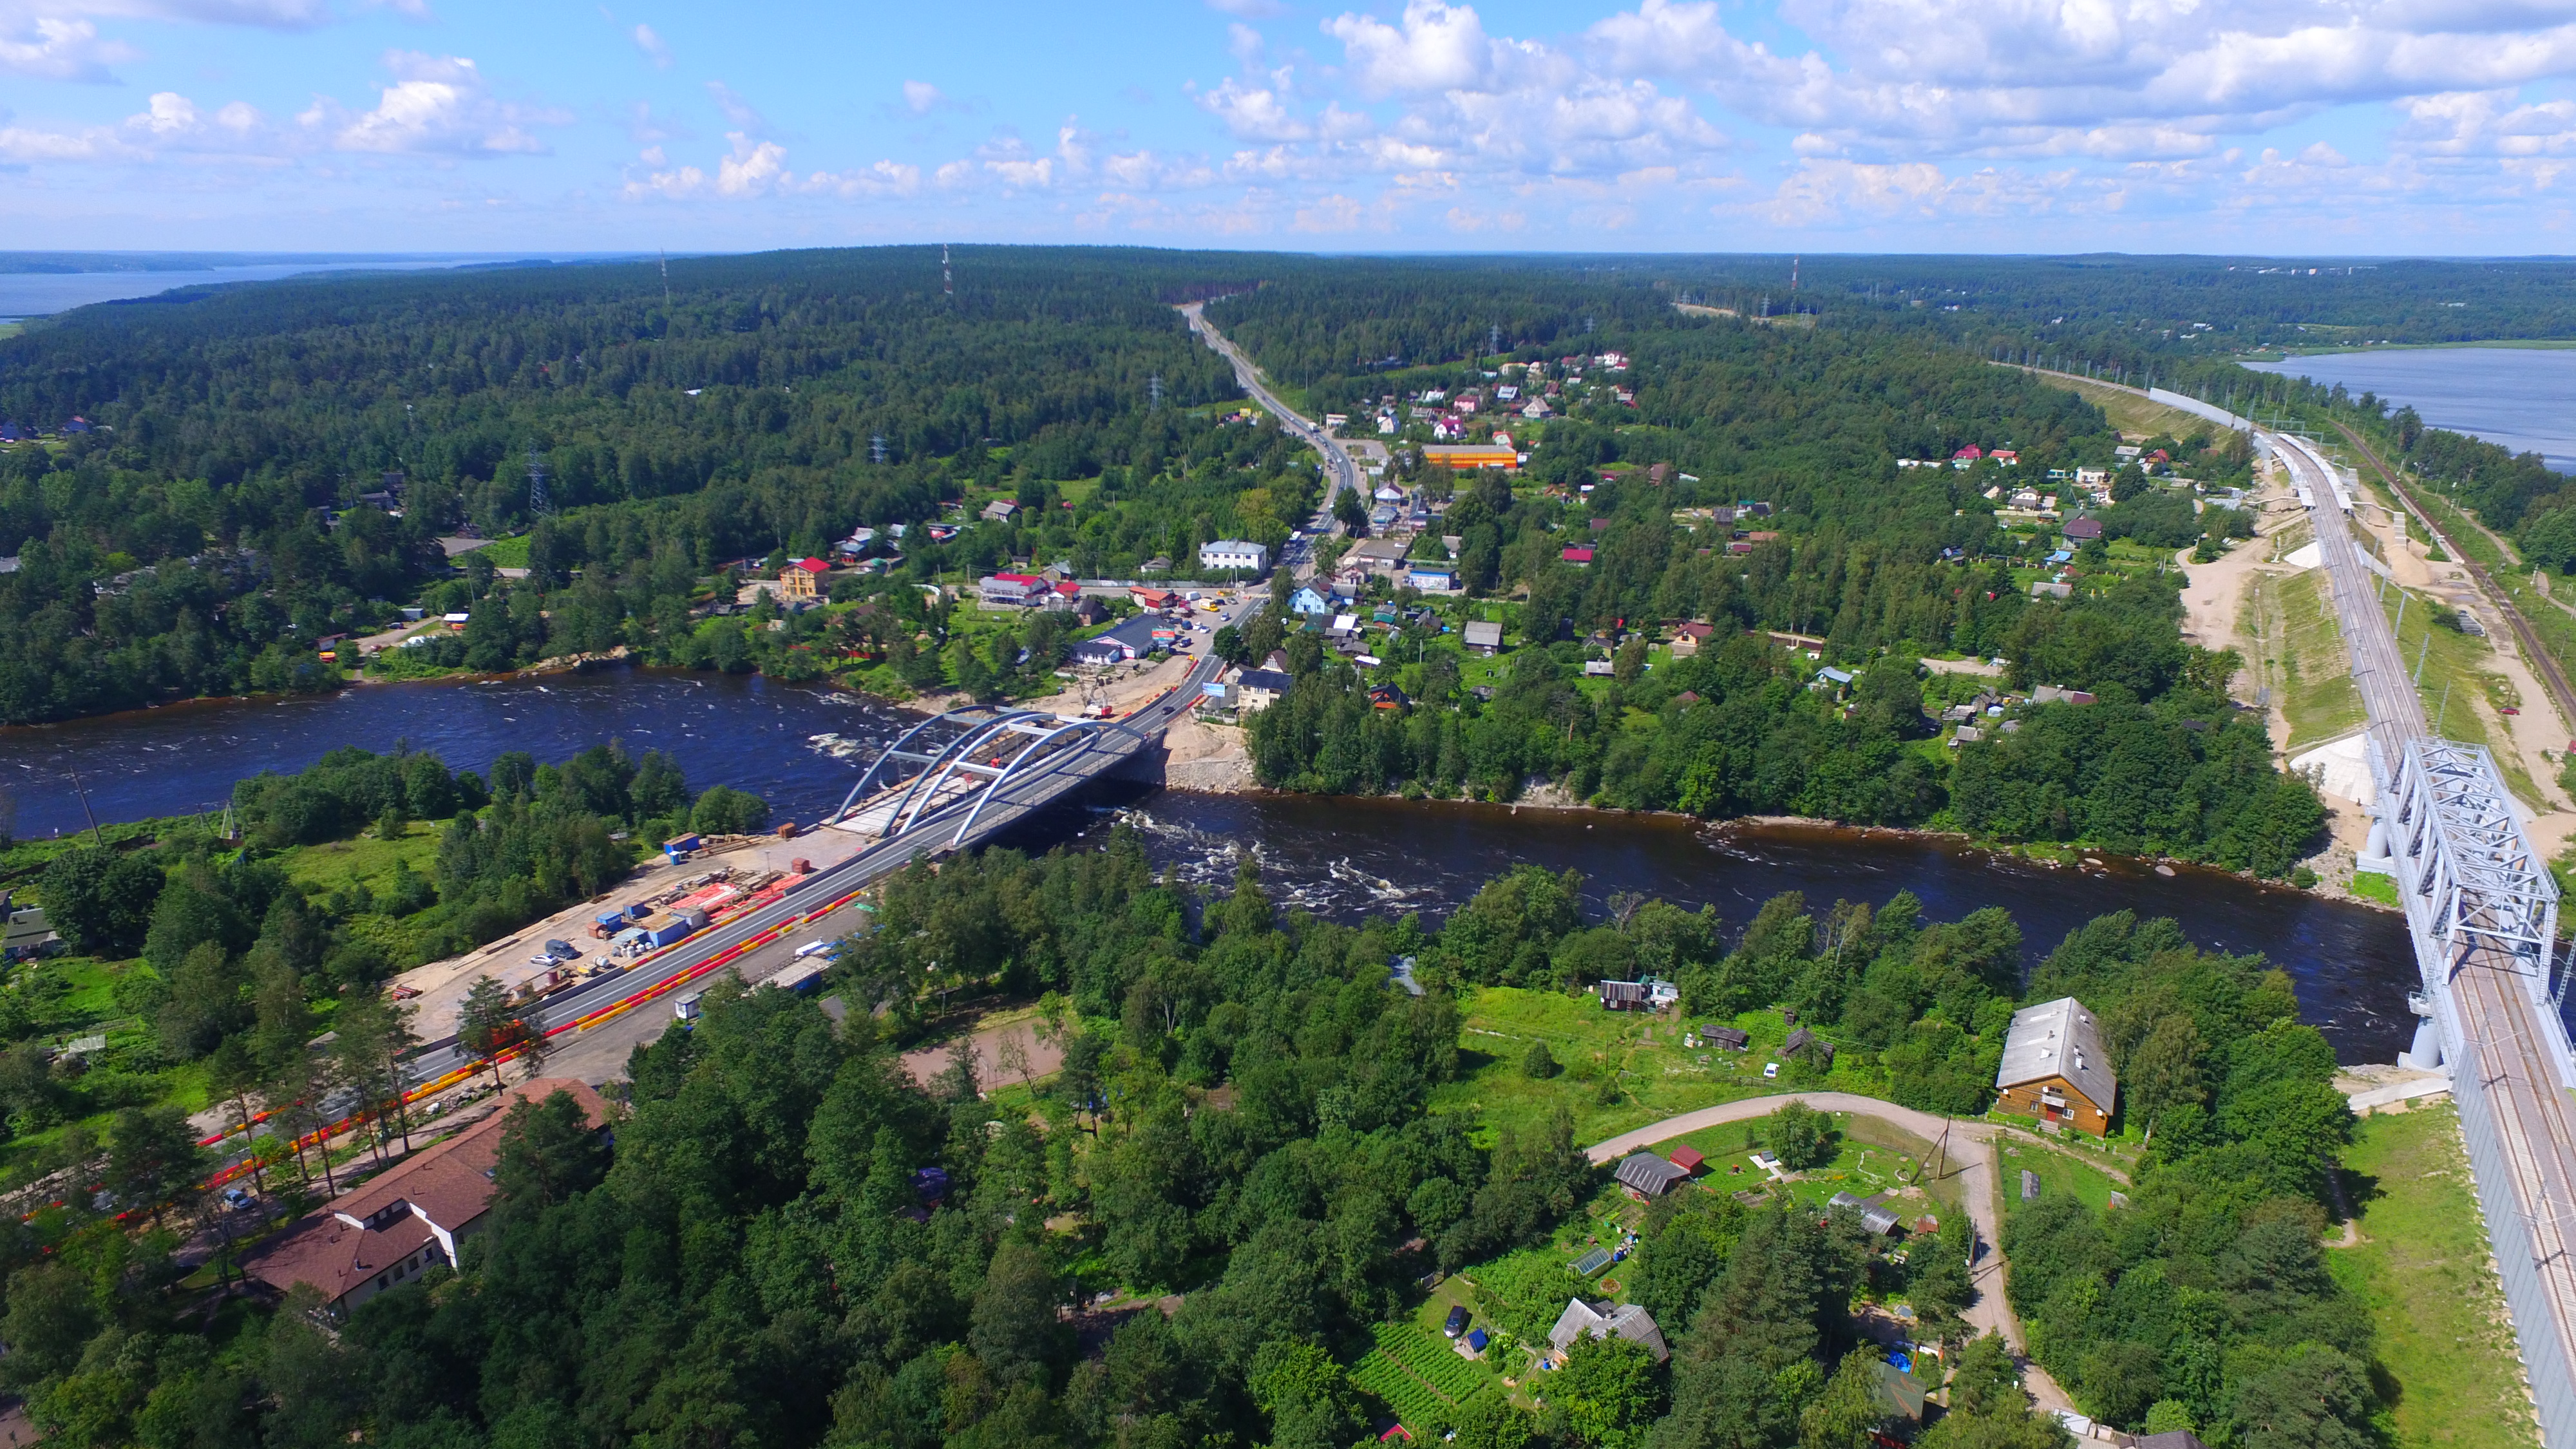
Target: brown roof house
<point x="409" y="1218"/>
<point x="2055" y="1069"/>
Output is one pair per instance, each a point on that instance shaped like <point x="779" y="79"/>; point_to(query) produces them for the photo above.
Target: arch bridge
<point x="978" y="766"/>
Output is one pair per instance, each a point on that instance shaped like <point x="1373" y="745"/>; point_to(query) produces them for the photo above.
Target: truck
<point x="799" y="975"/>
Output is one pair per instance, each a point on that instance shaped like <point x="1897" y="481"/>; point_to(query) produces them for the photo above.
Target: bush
<point x="1540" y="1064"/>
<point x="1800" y="1136"/>
<point x="728" y="812"/>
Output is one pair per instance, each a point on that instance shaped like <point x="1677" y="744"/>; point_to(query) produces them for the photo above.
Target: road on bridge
<point x="667" y="974"/>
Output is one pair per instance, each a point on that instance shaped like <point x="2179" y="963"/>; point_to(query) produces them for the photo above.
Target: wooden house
<point x="2055" y="1068"/>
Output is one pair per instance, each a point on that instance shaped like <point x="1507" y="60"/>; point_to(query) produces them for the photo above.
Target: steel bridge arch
<point x="1094" y="730"/>
<point x="984" y="730"/>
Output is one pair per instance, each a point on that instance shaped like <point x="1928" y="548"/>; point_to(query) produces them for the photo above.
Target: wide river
<point x="2522" y="398"/>
<point x="1340" y="858"/>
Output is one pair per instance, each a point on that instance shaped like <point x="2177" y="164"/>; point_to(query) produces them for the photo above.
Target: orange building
<point x="2055" y="1069"/>
<point x="802" y="579"/>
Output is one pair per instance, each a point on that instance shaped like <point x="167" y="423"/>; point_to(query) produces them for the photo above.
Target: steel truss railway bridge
<point x="2482" y="912"/>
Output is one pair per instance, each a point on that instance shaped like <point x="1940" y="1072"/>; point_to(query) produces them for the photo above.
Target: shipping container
<point x="696" y="918"/>
<point x="673" y="933"/>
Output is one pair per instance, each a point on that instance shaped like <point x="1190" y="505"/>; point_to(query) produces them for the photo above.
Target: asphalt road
<point x="1340" y="471"/>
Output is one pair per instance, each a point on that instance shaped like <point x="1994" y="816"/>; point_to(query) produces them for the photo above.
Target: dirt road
<point x="1972" y="1166"/>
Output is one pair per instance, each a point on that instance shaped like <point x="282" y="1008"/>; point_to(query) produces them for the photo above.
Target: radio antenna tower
<point x="666" y="281"/>
<point x="877" y="448"/>
<point x="537" y="501"/>
<point x="947" y="282"/>
<point x="1793" y="277"/>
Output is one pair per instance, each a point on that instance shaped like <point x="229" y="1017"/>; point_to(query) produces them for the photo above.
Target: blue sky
<point x="2309" y="126"/>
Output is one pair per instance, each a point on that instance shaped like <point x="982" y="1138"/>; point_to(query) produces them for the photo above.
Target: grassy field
<point x="507" y="553"/>
<point x="341" y="864"/>
<point x="1622" y="1071"/>
<point x="2373" y="886"/>
<point x="2297" y="652"/>
<point x="2129" y="412"/>
<point x="2421" y="1266"/>
<point x="2059" y="1173"/>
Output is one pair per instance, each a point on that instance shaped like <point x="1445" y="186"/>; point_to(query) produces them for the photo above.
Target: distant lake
<point x="42" y="294"/>
<point x="2522" y="398"/>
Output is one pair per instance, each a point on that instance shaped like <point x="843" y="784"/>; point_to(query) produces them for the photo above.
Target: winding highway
<point x="1340" y="471"/>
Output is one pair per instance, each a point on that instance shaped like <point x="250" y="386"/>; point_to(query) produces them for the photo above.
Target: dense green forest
<point x="210" y="531"/>
<point x="1246" y="1117"/>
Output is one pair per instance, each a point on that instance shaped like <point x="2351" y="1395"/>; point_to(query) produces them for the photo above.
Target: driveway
<point x="1971" y="1157"/>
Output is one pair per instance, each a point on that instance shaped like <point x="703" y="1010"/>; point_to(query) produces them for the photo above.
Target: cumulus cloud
<point x="55" y="48"/>
<point x="435" y="105"/>
<point x="921" y="97"/>
<point x="2144" y="79"/>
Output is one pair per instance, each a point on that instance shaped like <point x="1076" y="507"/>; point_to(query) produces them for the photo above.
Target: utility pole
<point x="83" y="792"/>
<point x="2426" y="648"/>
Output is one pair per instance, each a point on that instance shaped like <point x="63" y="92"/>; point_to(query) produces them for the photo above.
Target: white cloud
<point x="921" y="97"/>
<point x="654" y="47"/>
<point x="1250" y="9"/>
<point x="55" y="48"/>
<point x="737" y="110"/>
<point x="2148" y="79"/>
<point x="436" y="105"/>
<point x="1438" y="48"/>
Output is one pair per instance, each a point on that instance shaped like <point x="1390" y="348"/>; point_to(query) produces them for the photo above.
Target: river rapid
<point x="801" y="747"/>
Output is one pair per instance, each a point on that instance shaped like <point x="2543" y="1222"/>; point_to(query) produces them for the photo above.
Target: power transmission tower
<point x="537" y="501"/>
<point x="1494" y="339"/>
<point x="1154" y="391"/>
<point x="947" y="282"/>
<point x="666" y="281"/>
<point x="877" y="449"/>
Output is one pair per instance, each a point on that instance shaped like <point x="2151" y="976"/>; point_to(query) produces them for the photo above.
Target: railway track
<point x="2524" y="1150"/>
<point x="2544" y="664"/>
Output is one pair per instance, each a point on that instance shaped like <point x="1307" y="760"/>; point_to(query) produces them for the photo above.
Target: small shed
<point x="1687" y="1158"/>
<point x="1878" y="1220"/>
<point x="1899" y="1396"/>
<point x="1607" y="1320"/>
<point x="1803" y="1040"/>
<point x="1649" y="1175"/>
<point x="1732" y="1038"/>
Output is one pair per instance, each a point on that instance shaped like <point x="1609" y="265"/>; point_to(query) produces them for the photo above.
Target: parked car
<point x="1457" y="1323"/>
<point x="236" y="1198"/>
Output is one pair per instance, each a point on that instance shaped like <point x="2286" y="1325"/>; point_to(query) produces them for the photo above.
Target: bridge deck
<point x="2502" y="1039"/>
